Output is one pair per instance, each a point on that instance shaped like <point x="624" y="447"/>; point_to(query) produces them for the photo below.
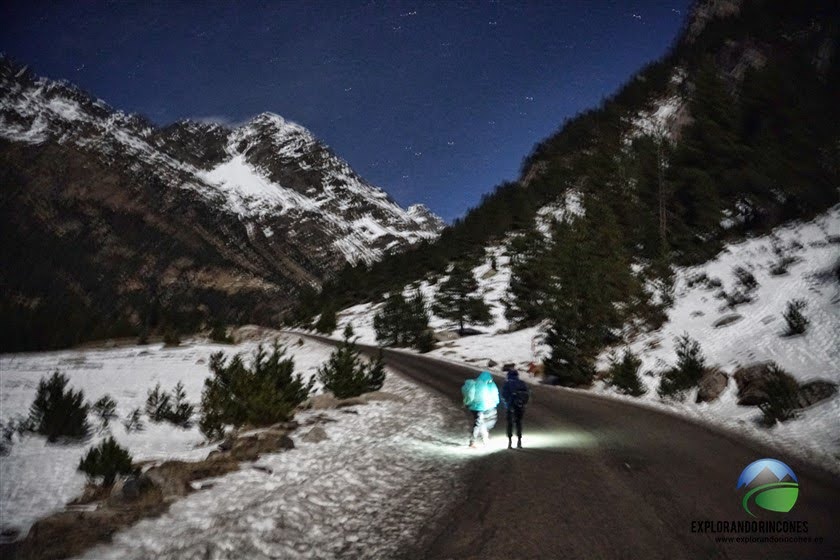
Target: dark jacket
<point x="511" y="387"/>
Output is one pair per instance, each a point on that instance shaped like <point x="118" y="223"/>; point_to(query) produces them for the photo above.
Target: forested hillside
<point x="736" y="129"/>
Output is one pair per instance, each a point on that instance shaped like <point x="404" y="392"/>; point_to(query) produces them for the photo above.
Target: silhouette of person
<point x="515" y="395"/>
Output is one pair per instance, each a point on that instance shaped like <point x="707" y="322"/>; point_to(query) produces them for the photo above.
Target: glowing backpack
<point x="468" y="391"/>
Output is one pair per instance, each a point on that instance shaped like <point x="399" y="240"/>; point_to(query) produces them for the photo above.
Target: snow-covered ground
<point x="388" y="464"/>
<point x="755" y="335"/>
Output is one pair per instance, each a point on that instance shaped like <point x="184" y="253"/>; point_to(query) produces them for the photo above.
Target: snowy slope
<point x="756" y="334"/>
<point x="37" y="478"/>
<point x="378" y="468"/>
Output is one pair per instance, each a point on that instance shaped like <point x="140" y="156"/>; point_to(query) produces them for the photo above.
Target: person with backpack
<point x="481" y="397"/>
<point x="515" y="395"/>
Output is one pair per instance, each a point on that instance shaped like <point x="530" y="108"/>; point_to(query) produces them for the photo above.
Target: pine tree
<point x="262" y="393"/>
<point x="589" y="273"/>
<point x="417" y="318"/>
<point x="689" y="369"/>
<point x="58" y="411"/>
<point x="457" y="299"/>
<point x="402" y="322"/>
<point x="107" y="460"/>
<point x="106" y="409"/>
<point x="782" y="396"/>
<point x="326" y="323"/>
<point x="525" y="304"/>
<point x="707" y="164"/>
<point x="181" y="410"/>
<point x="219" y="333"/>
<point x="346" y="375"/>
<point x="134" y="421"/>
<point x="624" y="374"/>
<point x="158" y="404"/>
<point x="390" y="322"/>
<point x="797" y="323"/>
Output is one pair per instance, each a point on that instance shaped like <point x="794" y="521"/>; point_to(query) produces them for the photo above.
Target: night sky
<point x="435" y="102"/>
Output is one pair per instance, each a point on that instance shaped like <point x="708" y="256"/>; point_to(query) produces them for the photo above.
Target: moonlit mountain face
<point x="124" y="208"/>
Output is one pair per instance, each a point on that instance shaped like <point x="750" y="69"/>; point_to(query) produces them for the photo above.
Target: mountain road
<point x="601" y="478"/>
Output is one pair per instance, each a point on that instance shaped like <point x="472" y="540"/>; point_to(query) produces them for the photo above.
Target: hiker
<point x="515" y="396"/>
<point x="481" y="397"/>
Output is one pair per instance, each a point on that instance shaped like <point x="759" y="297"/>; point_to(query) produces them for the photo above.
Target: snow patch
<point x="248" y="192"/>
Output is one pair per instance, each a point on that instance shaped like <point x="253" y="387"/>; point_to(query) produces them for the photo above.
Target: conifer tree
<point x="389" y="322"/>
<point x="263" y="392"/>
<point x="106" y="461"/>
<point x="58" y="411"/>
<point x="590" y="272"/>
<point x="346" y="375"/>
<point x="529" y="278"/>
<point x="457" y="299"/>
<point x="106" y="409"/>
<point x="403" y="322"/>
<point x="326" y="323"/>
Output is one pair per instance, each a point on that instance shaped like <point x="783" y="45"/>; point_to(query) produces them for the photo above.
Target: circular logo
<point x="770" y="485"/>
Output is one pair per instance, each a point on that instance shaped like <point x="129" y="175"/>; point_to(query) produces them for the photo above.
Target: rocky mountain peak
<point x="422" y="214"/>
<point x="238" y="219"/>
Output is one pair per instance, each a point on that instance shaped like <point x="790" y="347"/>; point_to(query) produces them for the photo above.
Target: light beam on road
<point x="542" y="440"/>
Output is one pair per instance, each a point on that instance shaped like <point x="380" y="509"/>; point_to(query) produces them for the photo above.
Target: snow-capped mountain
<point x="265" y="207"/>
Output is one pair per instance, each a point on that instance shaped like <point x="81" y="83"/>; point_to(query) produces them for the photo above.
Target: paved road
<point x="604" y="479"/>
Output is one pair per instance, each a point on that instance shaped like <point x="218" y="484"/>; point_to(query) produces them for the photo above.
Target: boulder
<point x="752" y="381"/>
<point x="711" y="385"/>
<point x="173" y="478"/>
<point x="727" y="320"/>
<point x="445" y="336"/>
<point x="288" y="426"/>
<point x="249" y="448"/>
<point x="323" y="401"/>
<point x="315" y="435"/>
<point x="492" y="363"/>
<point x="350" y="401"/>
<point x="128" y="489"/>
<point x="815" y="391"/>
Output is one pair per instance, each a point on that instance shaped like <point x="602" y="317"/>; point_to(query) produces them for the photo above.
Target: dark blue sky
<point x="435" y="102"/>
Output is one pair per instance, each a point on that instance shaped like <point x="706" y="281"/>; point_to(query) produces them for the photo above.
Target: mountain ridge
<point x="262" y="211"/>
